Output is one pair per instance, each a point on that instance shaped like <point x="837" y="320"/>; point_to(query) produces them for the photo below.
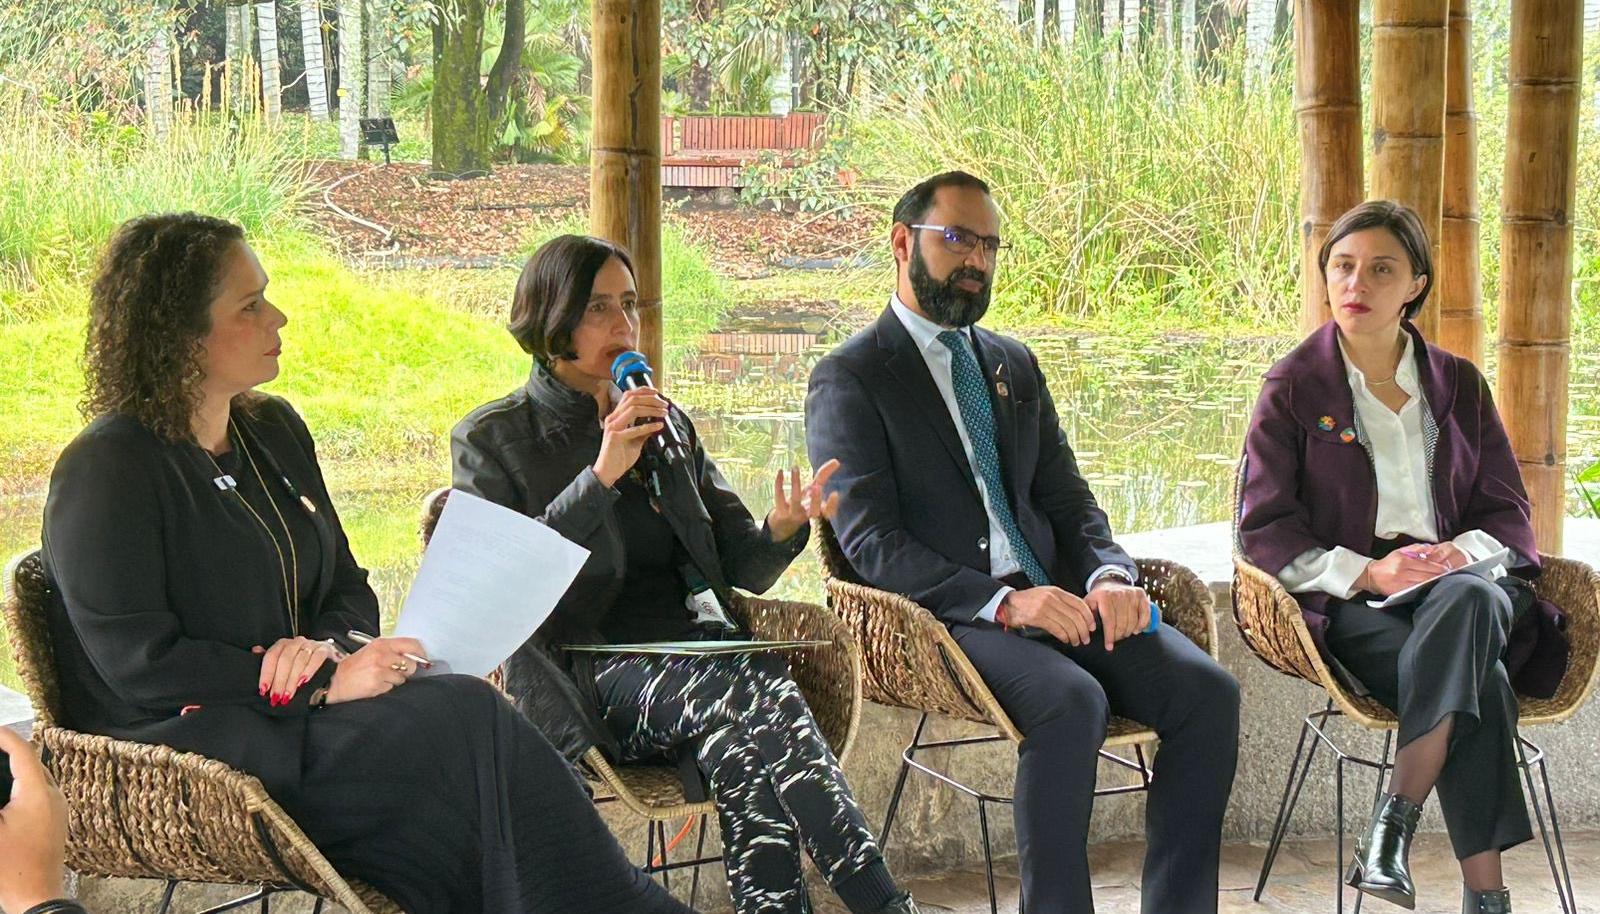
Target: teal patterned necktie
<point x="977" y="414"/>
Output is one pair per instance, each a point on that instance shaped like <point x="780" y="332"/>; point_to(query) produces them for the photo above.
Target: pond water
<point x="1156" y="424"/>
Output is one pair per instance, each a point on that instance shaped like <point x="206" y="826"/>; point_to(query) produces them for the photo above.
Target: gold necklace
<point x="286" y="570"/>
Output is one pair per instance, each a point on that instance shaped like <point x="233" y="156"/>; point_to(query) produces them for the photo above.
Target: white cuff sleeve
<point x="1121" y="571"/>
<point x="993" y="606"/>
<point x="1331" y="571"/>
<point x="1477" y="545"/>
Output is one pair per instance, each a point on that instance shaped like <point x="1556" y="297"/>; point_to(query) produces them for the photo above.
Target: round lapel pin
<point x="1325" y="423"/>
<point x="1348" y="435"/>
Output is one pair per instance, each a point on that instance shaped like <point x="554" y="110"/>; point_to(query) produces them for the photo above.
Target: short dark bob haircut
<point x="553" y="293"/>
<point x="1403" y="223"/>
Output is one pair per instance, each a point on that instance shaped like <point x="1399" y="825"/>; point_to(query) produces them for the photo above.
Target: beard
<point x="946" y="303"/>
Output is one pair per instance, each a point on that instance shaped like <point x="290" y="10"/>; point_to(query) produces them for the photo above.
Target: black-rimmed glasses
<point x="964" y="241"/>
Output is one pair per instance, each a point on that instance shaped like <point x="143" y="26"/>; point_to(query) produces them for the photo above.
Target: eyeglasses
<point x="958" y="240"/>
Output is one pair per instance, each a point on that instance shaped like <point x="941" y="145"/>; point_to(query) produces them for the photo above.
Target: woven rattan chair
<point x="1270" y="623"/>
<point x="910" y="660"/>
<point x="149" y="812"/>
<point x="829" y="678"/>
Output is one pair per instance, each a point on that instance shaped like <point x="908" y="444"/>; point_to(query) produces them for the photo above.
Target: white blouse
<point x="1398" y="445"/>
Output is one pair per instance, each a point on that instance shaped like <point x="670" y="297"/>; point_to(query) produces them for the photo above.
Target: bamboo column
<point x="1327" y="101"/>
<point x="1408" y="76"/>
<point x="1459" y="287"/>
<point x="1536" y="249"/>
<point x="625" y="161"/>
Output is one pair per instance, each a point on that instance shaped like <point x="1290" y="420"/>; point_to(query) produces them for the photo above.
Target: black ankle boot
<point x="901" y="905"/>
<point x="1382" y="865"/>
<point x="1494" y="902"/>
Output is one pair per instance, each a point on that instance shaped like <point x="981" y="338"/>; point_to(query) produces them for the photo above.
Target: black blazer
<point x="163" y="583"/>
<point x="533" y="451"/>
<point x="910" y="517"/>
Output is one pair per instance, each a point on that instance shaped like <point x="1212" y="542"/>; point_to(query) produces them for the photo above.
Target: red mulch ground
<point x="491" y="217"/>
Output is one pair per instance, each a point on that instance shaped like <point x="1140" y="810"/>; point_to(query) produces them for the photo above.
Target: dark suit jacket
<point x="161" y="588"/>
<point x="910" y="517"/>
<point x="1306" y="486"/>
<point x="533" y="451"/>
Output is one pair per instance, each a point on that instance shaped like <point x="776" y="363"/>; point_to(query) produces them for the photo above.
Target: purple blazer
<point x="1308" y="483"/>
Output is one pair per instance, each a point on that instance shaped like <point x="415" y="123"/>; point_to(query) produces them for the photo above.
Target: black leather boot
<point x="1382" y="866"/>
<point x="1495" y="902"/>
<point x="901" y="905"/>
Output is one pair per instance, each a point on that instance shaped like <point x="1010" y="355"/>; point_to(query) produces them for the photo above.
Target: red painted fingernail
<point x="303" y="681"/>
<point x="263" y="692"/>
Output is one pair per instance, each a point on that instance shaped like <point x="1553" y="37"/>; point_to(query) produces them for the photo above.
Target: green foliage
<point x="81" y="54"/>
<point x="1135" y="190"/>
<point x="67" y="178"/>
<point x="1590" y="477"/>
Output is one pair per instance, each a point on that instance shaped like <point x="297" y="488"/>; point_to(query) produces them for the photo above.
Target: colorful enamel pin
<point x="1325" y="423"/>
<point x="1348" y="435"/>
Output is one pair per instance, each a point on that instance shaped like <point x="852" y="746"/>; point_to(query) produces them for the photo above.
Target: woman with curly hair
<point x="202" y="579"/>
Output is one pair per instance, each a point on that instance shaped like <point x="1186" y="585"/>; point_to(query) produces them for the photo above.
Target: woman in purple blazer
<point x="1375" y="462"/>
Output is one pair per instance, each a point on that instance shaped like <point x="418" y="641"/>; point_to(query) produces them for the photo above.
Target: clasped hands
<point x="1121" y="610"/>
<point x="376" y="668"/>
<point x="1409" y="566"/>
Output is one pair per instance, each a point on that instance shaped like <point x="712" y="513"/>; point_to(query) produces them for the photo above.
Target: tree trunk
<point x="1186" y="24"/>
<point x="267" y="36"/>
<point x="1408" y="75"/>
<point x="1131" y="14"/>
<point x="1327" y="102"/>
<point x="352" y="66"/>
<point x="1038" y="23"/>
<point x="1540" y="188"/>
<point x="1067" y="20"/>
<point x="233" y="51"/>
<point x="702" y="75"/>
<point x="158" y="82"/>
<point x="311" y="52"/>
<point x="625" y="158"/>
<point x="380" y="59"/>
<point x="1260" y="18"/>
<point x="780" y="90"/>
<point x="1459" y="285"/>
<point x="1012" y="10"/>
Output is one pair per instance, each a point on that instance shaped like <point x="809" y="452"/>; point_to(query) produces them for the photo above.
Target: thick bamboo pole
<point x="1408" y="75"/>
<point x="1540" y="189"/>
<point x="1459" y="288"/>
<point x="625" y="161"/>
<point x="1327" y="101"/>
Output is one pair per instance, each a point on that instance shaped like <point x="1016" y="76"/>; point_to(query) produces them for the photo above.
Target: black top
<point x="651" y="605"/>
<point x="163" y="582"/>
<point x="274" y="508"/>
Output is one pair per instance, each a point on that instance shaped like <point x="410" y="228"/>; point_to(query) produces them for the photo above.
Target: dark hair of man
<point x="149" y="311"/>
<point x="1402" y="222"/>
<point x="915" y="203"/>
<point x="553" y="293"/>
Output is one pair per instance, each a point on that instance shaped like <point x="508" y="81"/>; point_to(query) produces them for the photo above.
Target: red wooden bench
<point x="712" y="151"/>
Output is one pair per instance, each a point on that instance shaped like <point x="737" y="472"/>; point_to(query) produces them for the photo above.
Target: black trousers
<point x="1061" y="698"/>
<point x="448" y="801"/>
<point x="1438" y="657"/>
<point x="777" y="785"/>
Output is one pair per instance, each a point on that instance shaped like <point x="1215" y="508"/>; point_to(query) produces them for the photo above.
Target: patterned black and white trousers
<point x="776" y="783"/>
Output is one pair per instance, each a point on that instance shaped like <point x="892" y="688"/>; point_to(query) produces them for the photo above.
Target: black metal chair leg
<point x="1567" y="906"/>
<point x="166" y="896"/>
<point x="666" y="872"/>
<point x="900" y="784"/>
<point x="1555" y="829"/>
<point x="317" y="908"/>
<point x="1286" y="804"/>
<point x="988" y="856"/>
<point x="1144" y="767"/>
<point x="1338" y="869"/>
<point x="649" y="848"/>
<point x="699" y="854"/>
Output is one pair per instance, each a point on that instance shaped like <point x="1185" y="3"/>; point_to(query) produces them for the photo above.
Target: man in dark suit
<point x="960" y="491"/>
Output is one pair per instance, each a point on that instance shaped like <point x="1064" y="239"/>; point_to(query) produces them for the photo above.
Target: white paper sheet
<point x="1483" y="568"/>
<point x="490" y="577"/>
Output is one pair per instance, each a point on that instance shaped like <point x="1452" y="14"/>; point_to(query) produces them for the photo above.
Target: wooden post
<point x="1408" y="67"/>
<point x="625" y="157"/>
<point x="1327" y="93"/>
<point x="1536" y="249"/>
<point x="1459" y="285"/>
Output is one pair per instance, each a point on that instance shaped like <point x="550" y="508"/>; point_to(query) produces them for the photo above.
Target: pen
<point x="364" y="638"/>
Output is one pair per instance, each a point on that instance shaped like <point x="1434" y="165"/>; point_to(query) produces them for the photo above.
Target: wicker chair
<point x="829" y="678"/>
<point x="149" y="812"/>
<point x="910" y="660"/>
<point x="1270" y="623"/>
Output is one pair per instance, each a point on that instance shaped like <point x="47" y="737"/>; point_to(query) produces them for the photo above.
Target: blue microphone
<point x="630" y="371"/>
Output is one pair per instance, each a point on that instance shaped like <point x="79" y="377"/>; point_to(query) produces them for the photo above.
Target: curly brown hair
<point x="149" y="310"/>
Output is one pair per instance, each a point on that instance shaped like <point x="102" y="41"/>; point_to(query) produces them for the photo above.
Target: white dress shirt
<point x="1398" y="445"/>
<point x="1002" y="560"/>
